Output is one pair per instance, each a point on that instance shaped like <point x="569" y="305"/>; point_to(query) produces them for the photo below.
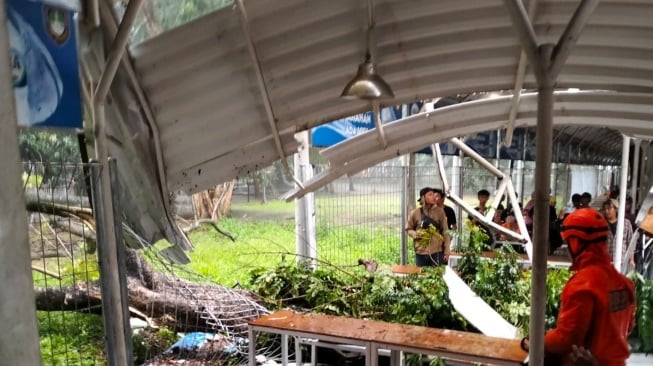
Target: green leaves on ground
<point x="415" y="299"/>
<point x="502" y="284"/>
<point x="644" y="318"/>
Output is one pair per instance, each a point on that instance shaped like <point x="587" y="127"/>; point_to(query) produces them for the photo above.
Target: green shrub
<point x="150" y="342"/>
<point x="415" y="299"/>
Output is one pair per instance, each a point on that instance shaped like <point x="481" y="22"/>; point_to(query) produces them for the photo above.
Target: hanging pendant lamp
<point x="367" y="84"/>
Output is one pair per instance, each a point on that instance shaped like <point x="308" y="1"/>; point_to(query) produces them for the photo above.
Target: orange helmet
<point x="586" y="224"/>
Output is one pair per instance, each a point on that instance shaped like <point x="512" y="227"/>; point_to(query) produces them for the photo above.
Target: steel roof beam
<point x="119" y="353"/>
<point x="263" y="89"/>
<point x="570" y="36"/>
<point x="110" y="24"/>
<point x="519" y="84"/>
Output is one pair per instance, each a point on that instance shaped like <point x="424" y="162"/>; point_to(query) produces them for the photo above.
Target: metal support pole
<point x="570" y="36"/>
<point x="461" y="189"/>
<point x="117" y="49"/>
<point x="117" y="342"/>
<point x="634" y="178"/>
<point x="116" y="348"/>
<point x="477" y="157"/>
<point x="405" y="197"/>
<point x="554" y="178"/>
<point x="439" y="166"/>
<point x="305" y="243"/>
<point x="619" y="238"/>
<point x="263" y="89"/>
<point x="376" y="114"/>
<point x="19" y="339"/>
<point x="122" y="259"/>
<point x="519" y="178"/>
<point x="543" y="135"/>
<point x="404" y="213"/>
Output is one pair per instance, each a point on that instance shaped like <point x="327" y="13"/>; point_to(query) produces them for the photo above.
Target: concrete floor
<point x="640" y="359"/>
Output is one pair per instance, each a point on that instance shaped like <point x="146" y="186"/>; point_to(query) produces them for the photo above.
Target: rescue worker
<point x="597" y="308"/>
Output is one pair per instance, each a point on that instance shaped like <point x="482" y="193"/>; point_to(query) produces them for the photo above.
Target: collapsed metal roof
<point x="228" y="91"/>
<point x="201" y="79"/>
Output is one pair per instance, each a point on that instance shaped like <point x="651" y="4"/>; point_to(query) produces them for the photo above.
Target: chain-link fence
<point x="166" y="301"/>
<point x="363" y="213"/>
<point x="63" y="248"/>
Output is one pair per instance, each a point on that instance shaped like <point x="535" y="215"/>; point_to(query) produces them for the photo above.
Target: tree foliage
<point x="39" y="145"/>
<point x="158" y="16"/>
<point x="45" y="147"/>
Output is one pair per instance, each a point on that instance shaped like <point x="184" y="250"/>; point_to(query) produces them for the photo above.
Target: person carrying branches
<point x="428" y="226"/>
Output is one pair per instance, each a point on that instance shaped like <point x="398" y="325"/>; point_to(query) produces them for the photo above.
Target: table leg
<point x="396" y="358"/>
<point x="371" y="354"/>
<point x="251" y="335"/>
<point x="284" y="350"/>
<point x="298" y="352"/>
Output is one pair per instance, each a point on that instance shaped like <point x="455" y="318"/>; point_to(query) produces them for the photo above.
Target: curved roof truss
<point x="631" y="113"/>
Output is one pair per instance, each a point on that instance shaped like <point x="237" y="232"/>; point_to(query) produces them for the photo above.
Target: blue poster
<point x="44" y="64"/>
<point x="339" y="130"/>
<point x="334" y="132"/>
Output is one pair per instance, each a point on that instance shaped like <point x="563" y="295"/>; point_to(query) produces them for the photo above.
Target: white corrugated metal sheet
<point x="201" y="82"/>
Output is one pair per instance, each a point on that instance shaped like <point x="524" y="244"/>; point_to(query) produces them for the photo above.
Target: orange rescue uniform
<point x="597" y="310"/>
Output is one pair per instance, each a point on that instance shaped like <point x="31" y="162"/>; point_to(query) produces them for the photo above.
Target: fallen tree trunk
<point x="167" y="301"/>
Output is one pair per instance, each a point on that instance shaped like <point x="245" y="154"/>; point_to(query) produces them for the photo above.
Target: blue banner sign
<point x="44" y="64"/>
<point x="336" y="131"/>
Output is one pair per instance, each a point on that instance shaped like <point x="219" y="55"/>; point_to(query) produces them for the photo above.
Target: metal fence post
<point x="110" y="291"/>
<point x="120" y="253"/>
<point x="404" y="213"/>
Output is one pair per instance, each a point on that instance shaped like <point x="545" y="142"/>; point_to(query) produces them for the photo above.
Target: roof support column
<point x="621" y="213"/>
<point x="547" y="61"/>
<point x="634" y="178"/>
<point x="543" y="135"/>
<point x="519" y="83"/>
<point x="113" y="309"/>
<point x="305" y="242"/>
<point x="19" y="337"/>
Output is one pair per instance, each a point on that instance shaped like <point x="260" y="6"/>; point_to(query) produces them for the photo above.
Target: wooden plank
<point x="406" y="269"/>
<point x="463" y="345"/>
<point x="492" y="254"/>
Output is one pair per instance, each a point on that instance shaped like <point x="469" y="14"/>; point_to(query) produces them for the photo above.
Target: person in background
<point x="630" y="213"/>
<point x="510" y="224"/>
<point x="610" y="212"/>
<point x="448" y="211"/>
<point x="555" y="241"/>
<point x="483" y="196"/>
<point x="428" y="227"/>
<point x="575" y="205"/>
<point x="597" y="308"/>
<point x="528" y="219"/>
<point x="597" y="202"/>
<point x="585" y="199"/>
<point x="509" y="209"/>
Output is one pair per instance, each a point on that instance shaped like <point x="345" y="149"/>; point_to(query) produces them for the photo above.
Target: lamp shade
<point x="367" y="84"/>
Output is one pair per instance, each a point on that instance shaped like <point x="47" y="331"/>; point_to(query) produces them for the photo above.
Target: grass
<point x="70" y="338"/>
<point x="257" y="245"/>
<point x="364" y="226"/>
<point x="265" y="244"/>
